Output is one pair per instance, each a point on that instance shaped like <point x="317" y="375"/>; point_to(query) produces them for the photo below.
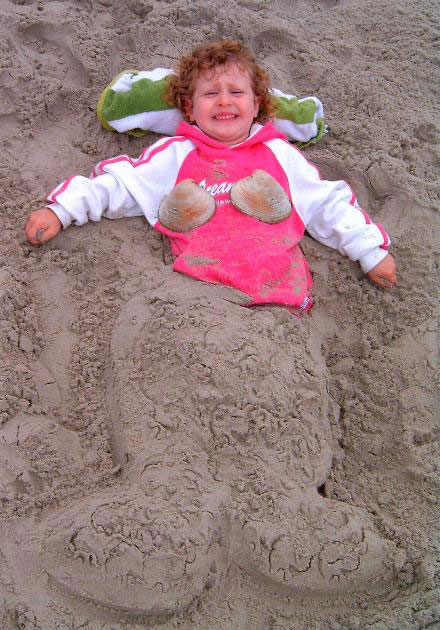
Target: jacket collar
<point x="258" y="133"/>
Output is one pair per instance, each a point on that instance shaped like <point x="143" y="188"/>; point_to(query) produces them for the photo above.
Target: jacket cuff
<point x="61" y="213"/>
<point x="372" y="258"/>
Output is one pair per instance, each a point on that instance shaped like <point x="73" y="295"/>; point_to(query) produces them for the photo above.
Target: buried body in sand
<point x="220" y="415"/>
<point x="221" y="423"/>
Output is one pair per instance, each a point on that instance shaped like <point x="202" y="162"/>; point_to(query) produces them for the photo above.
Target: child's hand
<point x="41" y="226"/>
<point x="384" y="274"/>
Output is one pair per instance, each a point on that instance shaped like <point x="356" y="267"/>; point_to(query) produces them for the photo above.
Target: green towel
<point x="133" y="102"/>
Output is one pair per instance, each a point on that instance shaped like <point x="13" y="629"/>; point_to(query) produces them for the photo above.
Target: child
<point x="266" y="194"/>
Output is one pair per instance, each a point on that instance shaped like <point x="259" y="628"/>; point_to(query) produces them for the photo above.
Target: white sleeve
<point x="122" y="186"/>
<point x="329" y="210"/>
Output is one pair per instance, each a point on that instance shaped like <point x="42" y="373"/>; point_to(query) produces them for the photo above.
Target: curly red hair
<point x="181" y="85"/>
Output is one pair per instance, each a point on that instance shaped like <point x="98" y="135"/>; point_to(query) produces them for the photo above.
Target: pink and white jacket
<point x="262" y="260"/>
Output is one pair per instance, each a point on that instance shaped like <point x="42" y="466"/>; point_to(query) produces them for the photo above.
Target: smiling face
<point x="223" y="104"/>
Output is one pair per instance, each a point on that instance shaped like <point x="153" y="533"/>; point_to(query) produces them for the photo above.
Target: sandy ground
<point x="168" y="458"/>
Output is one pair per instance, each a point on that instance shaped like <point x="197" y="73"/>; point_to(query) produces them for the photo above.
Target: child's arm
<point x="78" y="200"/>
<point x="331" y="215"/>
<point x="118" y="187"/>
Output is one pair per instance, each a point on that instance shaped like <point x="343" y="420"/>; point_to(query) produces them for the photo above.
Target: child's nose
<point x="223" y="97"/>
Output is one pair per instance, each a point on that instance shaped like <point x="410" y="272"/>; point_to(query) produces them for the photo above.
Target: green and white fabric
<point x="133" y="102"/>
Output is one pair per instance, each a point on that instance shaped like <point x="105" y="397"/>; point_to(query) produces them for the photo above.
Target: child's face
<point x="224" y="104"/>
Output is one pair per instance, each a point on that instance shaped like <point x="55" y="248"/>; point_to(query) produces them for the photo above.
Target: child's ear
<point x="189" y="109"/>
<point x="257" y="101"/>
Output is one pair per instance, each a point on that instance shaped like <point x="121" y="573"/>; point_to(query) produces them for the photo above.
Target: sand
<point x="167" y="457"/>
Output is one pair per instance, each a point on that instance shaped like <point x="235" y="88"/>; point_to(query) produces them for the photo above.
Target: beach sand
<point x="167" y="457"/>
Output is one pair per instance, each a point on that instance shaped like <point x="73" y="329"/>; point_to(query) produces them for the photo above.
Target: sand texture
<point x="169" y="458"/>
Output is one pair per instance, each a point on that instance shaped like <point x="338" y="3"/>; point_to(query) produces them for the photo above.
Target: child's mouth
<point x="225" y="116"/>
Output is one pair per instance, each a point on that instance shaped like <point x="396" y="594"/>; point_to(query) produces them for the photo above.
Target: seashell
<point x="261" y="196"/>
<point x="186" y="207"/>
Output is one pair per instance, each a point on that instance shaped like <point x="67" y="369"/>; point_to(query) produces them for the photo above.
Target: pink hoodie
<point x="262" y="260"/>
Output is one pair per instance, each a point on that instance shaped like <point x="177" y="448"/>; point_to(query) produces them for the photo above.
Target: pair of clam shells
<point x="260" y="196"/>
